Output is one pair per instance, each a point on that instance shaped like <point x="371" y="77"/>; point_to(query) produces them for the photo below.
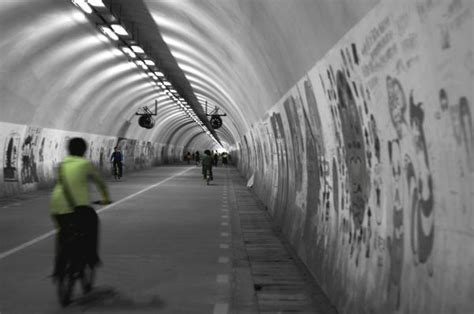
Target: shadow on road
<point x="108" y="298"/>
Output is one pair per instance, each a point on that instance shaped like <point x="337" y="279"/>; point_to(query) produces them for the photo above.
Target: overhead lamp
<point x="167" y="83"/>
<point x="96" y="3"/>
<point x="159" y="74"/>
<point x="82" y="4"/>
<point x="141" y="64"/>
<point x="149" y="62"/>
<point x="119" y="29"/>
<point x="137" y="49"/>
<point x="108" y="32"/>
<point x="129" y="52"/>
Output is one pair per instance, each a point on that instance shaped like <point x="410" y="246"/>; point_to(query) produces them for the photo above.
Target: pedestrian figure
<point x="207" y="165"/>
<point x="188" y="157"/>
<point x="197" y="158"/>
<point x="224" y="158"/>
<point x="216" y="159"/>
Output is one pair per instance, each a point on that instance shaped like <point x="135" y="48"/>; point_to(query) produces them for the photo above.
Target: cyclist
<point x="207" y="164"/>
<point x="116" y="158"/>
<point x="72" y="186"/>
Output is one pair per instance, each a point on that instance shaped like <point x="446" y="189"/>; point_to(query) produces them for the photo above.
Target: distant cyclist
<point x="72" y="187"/>
<point x="116" y="158"/>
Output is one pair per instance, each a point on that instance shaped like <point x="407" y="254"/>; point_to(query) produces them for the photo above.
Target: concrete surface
<point x="168" y="245"/>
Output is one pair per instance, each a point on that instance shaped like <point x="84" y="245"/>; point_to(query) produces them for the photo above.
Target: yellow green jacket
<point x="76" y="171"/>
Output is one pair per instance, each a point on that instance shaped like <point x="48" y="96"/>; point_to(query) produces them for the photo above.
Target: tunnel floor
<point x="169" y="244"/>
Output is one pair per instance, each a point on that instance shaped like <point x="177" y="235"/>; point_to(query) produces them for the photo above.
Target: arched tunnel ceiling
<point x="57" y="71"/>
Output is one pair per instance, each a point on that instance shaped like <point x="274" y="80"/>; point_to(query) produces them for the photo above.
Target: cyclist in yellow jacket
<point x="75" y="172"/>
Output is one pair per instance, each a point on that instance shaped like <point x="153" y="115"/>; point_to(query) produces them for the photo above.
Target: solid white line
<point x="52" y="232"/>
<point x="27" y="244"/>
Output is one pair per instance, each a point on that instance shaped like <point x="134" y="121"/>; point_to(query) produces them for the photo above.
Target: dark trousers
<point x="206" y="169"/>
<point x="118" y="164"/>
<point x="78" y="238"/>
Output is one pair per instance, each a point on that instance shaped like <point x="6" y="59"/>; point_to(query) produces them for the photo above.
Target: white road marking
<point x="224" y="223"/>
<point x="224" y="234"/>
<point x="52" y="232"/>
<point x="224" y="246"/>
<point x="223" y="259"/>
<point x="221" y="308"/>
<point x="222" y="278"/>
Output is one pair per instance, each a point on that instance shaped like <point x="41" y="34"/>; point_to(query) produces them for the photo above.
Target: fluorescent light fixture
<point x="108" y="32"/>
<point x="159" y="74"/>
<point x="150" y="74"/>
<point x="149" y="62"/>
<point x="173" y="90"/>
<point x="141" y="64"/>
<point x="137" y="49"/>
<point x="96" y="3"/>
<point x="129" y="52"/>
<point x="82" y="4"/>
<point x="116" y="52"/>
<point x="118" y="29"/>
<point x="167" y="83"/>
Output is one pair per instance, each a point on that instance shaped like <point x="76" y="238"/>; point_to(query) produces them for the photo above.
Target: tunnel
<point x="349" y="130"/>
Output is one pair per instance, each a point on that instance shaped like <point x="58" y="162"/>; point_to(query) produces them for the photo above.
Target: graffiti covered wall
<point x="30" y="155"/>
<point x="368" y="163"/>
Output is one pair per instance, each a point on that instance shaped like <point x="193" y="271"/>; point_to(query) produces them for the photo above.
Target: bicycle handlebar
<point x="101" y="202"/>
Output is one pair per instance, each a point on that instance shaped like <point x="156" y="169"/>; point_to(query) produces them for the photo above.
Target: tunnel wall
<point x="367" y="163"/>
<point x="30" y="155"/>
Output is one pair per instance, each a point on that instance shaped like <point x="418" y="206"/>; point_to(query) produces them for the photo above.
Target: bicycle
<point x="76" y="266"/>
<point x="116" y="171"/>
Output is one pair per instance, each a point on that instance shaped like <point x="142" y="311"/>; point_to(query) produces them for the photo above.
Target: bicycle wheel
<point x="66" y="286"/>
<point x="87" y="279"/>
